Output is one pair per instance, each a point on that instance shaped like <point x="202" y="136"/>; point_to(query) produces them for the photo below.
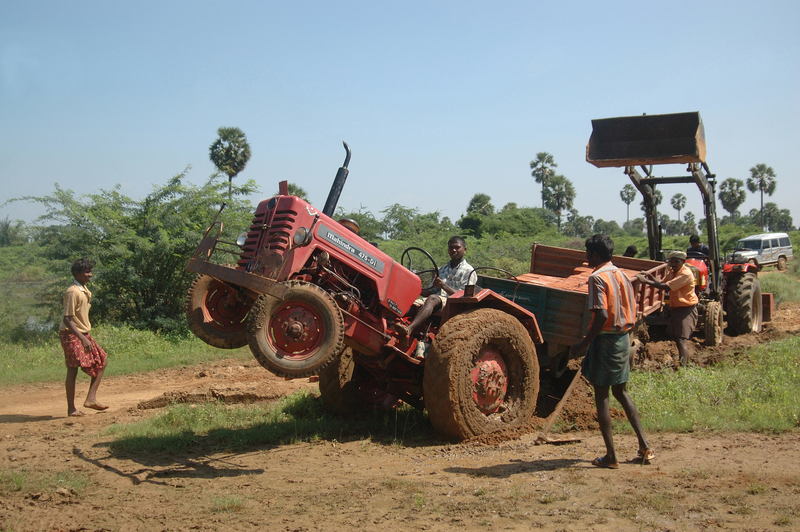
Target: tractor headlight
<point x="240" y="240"/>
<point x="300" y="236"/>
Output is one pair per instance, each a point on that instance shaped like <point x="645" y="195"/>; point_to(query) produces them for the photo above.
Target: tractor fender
<point x="460" y="303"/>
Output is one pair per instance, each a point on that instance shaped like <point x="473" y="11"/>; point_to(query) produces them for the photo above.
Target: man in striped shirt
<point x="607" y="345"/>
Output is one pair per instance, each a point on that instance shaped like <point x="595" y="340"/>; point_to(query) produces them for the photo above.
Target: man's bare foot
<point x="95" y="406"/>
<point x="75" y="413"/>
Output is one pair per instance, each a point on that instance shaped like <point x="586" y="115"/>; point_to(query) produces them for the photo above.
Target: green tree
<point x="628" y="194"/>
<point x="762" y="179"/>
<point x="559" y="194"/>
<point x="604" y="227"/>
<point x="678" y="202"/>
<point x="543" y="171"/>
<point x="297" y="190"/>
<point x="732" y="195"/>
<point x="369" y="226"/>
<point x="230" y="153"/>
<point x="635" y="226"/>
<point x="11" y="233"/>
<point x="690" y="222"/>
<point x="657" y="196"/>
<point x="403" y="223"/>
<point x="480" y="204"/>
<point x="777" y="219"/>
<point x="140" y="248"/>
<point x="577" y="225"/>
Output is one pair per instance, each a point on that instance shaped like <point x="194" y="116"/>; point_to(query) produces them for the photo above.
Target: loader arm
<point x="649" y="140"/>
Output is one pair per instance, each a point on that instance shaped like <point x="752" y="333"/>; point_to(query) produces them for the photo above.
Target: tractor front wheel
<point x="298" y="335"/>
<point x="214" y="313"/>
<point x="713" y="324"/>
<point x="743" y="302"/>
<point x="481" y="375"/>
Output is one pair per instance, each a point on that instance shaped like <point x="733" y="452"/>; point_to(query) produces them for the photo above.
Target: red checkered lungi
<point x="91" y="362"/>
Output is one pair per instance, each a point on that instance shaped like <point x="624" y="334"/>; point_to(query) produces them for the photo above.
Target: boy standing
<point x="80" y="349"/>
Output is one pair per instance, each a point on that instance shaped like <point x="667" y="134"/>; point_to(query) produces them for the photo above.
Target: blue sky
<point x="438" y="100"/>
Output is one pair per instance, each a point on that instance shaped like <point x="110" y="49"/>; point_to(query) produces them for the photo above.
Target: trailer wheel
<point x="713" y="324"/>
<point x="744" y="304"/>
<point x="211" y="317"/>
<point x="298" y="335"/>
<point x="337" y="385"/>
<point x="481" y="375"/>
<point x="781" y="265"/>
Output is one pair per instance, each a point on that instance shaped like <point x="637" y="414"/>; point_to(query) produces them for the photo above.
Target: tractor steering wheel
<point x="427" y="275"/>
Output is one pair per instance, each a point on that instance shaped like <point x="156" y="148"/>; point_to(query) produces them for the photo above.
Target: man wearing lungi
<point x="607" y="344"/>
<point x="80" y="349"/>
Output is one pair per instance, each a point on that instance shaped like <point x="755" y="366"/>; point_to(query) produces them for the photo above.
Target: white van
<point x="764" y="250"/>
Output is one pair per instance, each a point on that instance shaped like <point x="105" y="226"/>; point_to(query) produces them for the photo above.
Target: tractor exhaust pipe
<point x="647" y="139"/>
<point x="338" y="185"/>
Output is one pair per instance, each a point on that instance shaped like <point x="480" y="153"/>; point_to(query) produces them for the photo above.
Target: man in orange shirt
<point x="607" y="344"/>
<point x="682" y="301"/>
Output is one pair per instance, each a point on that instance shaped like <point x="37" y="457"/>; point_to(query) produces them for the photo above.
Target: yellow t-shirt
<point x="681" y="288"/>
<point x="77" y="302"/>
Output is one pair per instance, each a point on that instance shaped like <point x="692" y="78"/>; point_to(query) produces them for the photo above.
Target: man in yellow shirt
<point x="682" y="301"/>
<point x="80" y="349"/>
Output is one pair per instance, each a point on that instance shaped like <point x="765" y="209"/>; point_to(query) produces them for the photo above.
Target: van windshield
<point x="748" y="244"/>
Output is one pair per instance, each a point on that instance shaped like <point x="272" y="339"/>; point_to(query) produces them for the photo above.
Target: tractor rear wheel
<point x="211" y="316"/>
<point x="713" y="324"/>
<point x="481" y="375"/>
<point x="298" y="335"/>
<point x="337" y="385"/>
<point x="744" y="304"/>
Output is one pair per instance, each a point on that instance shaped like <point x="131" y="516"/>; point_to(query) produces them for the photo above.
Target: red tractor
<point x="728" y="292"/>
<point x="310" y="296"/>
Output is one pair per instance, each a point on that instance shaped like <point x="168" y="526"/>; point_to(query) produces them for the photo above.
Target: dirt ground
<point x="698" y="481"/>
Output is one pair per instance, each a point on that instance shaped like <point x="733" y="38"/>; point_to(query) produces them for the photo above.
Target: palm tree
<point x="628" y="194"/>
<point x="297" y="190"/>
<point x="481" y="204"/>
<point x="542" y="168"/>
<point x="678" y="202"/>
<point x="558" y="195"/>
<point x="732" y="195"/>
<point x="658" y="197"/>
<point x="762" y="178"/>
<point x="230" y="152"/>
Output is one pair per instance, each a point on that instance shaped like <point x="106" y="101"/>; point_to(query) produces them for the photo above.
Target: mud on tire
<point x="298" y="335"/>
<point x="338" y="387"/>
<point x="743" y="304"/>
<point x="713" y="325"/>
<point x="448" y="382"/>
<point x="211" y="318"/>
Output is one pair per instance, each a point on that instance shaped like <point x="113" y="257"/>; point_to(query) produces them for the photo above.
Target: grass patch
<point x="227" y="503"/>
<point x="296" y="418"/>
<point x="38" y="481"/>
<point x="129" y="351"/>
<point x="784" y="286"/>
<point x="753" y="392"/>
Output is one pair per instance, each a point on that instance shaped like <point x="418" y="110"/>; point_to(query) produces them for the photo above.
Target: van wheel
<point x="781" y="263"/>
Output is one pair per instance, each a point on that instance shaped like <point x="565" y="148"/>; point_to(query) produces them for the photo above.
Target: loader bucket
<point x="647" y="139"/>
